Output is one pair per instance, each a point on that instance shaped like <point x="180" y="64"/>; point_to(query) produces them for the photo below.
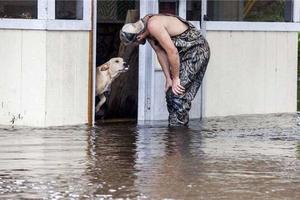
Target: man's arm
<point x="163" y="61"/>
<point x="164" y="39"/>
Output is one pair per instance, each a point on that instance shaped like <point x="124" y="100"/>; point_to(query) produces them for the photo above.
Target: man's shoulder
<point x="154" y="23"/>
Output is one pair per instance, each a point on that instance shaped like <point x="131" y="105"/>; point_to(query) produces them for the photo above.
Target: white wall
<point x="22" y="77"/>
<point x="67" y="78"/>
<point x="248" y="73"/>
<point x="43" y="77"/>
<point x="251" y="73"/>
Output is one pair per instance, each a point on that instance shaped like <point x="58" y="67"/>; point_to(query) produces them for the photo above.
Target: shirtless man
<point x="183" y="54"/>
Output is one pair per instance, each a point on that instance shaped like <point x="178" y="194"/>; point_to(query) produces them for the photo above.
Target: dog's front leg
<point x="101" y="102"/>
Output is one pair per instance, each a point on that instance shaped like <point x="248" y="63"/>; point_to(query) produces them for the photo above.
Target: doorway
<point x="138" y="94"/>
<point x="151" y="85"/>
<point x="122" y="96"/>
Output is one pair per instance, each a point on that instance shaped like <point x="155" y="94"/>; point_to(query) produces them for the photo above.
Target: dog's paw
<point x="100" y="114"/>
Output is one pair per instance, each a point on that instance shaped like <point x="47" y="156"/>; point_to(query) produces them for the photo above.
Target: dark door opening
<point x="122" y="97"/>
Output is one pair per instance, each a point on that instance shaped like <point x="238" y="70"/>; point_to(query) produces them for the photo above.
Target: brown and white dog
<point x="105" y="75"/>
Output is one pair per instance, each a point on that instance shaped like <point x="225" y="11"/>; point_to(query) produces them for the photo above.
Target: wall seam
<point x="21" y="79"/>
<point x="46" y="79"/>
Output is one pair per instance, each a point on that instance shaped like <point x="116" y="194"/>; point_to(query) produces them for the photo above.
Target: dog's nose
<point x="126" y="66"/>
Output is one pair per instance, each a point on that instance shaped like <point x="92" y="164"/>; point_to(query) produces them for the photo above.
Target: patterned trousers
<point x="193" y="64"/>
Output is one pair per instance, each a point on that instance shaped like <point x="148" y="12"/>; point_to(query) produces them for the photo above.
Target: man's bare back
<point x="172" y="24"/>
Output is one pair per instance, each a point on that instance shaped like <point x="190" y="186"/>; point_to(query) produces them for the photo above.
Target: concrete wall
<point x="251" y="73"/>
<point x="43" y="77"/>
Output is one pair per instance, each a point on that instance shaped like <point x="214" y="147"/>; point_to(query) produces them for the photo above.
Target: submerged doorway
<point x="122" y="98"/>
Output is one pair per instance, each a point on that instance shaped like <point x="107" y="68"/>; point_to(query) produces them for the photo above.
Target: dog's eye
<point x="117" y="61"/>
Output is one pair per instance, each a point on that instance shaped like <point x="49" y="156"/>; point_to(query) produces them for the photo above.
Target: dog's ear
<point x="104" y="67"/>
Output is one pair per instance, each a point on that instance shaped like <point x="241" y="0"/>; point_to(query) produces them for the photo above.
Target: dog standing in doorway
<point x="105" y="75"/>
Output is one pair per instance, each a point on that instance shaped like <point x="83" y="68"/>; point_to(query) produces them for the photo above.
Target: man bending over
<point x="183" y="54"/>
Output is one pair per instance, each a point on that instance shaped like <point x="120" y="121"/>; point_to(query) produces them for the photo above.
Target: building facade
<point x="48" y="56"/>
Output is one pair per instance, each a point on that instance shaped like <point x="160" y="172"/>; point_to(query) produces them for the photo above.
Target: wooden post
<point x="91" y="70"/>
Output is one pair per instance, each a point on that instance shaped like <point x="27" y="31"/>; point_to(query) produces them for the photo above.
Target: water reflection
<point x="298" y="150"/>
<point x="244" y="157"/>
<point x="168" y="161"/>
<point x="42" y="163"/>
<point x="112" y="152"/>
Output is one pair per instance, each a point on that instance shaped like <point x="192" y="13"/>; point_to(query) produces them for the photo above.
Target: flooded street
<point x="245" y="157"/>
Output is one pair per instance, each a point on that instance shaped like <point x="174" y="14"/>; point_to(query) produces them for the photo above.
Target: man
<point x="183" y="54"/>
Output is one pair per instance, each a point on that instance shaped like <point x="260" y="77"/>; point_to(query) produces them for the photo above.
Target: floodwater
<point x="244" y="157"/>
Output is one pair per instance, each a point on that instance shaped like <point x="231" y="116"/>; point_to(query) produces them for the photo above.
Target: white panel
<point x="182" y="9"/>
<point x="22" y="83"/>
<point x="195" y="112"/>
<point x="54" y="79"/>
<point x="42" y="9"/>
<point x="51" y="9"/>
<point x="281" y="70"/>
<point x="67" y="78"/>
<point x="296" y="11"/>
<point x="87" y="10"/>
<point x="160" y="105"/>
<point x="250" y="73"/>
<point x="214" y="71"/>
<point x="33" y="85"/>
<point x="146" y="70"/>
<point x="81" y="62"/>
<point x="287" y="72"/>
<point x="10" y="72"/>
<point x="292" y="69"/>
<point x="271" y="50"/>
<point x="26" y="62"/>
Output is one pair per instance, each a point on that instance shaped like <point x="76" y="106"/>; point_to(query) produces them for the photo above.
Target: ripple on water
<point x="239" y="157"/>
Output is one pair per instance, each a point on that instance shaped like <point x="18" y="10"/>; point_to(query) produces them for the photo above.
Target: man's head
<point x="133" y="33"/>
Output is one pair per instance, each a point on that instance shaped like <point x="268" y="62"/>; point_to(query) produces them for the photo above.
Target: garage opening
<point x="122" y="96"/>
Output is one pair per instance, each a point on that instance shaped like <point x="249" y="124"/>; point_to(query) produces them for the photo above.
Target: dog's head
<point x="115" y="66"/>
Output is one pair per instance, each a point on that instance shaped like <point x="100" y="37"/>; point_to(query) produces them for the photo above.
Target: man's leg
<point x="178" y="112"/>
<point x="180" y="105"/>
<point x="191" y="75"/>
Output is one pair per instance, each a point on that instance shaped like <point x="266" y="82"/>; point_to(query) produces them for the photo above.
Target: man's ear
<point x="104" y="67"/>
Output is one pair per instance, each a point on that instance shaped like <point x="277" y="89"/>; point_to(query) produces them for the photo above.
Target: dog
<point x="105" y="75"/>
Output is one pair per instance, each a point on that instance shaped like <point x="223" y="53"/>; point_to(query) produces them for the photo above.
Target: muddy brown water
<point x="244" y="157"/>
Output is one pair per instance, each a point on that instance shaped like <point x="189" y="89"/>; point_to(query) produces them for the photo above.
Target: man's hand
<point x="176" y="87"/>
<point x="168" y="84"/>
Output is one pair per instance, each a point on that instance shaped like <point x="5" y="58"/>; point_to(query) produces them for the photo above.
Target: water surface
<point x="244" y="157"/>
